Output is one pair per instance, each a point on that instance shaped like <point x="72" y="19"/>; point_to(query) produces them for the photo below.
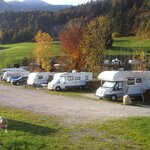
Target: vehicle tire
<point x="114" y="98"/>
<point x="58" y="88"/>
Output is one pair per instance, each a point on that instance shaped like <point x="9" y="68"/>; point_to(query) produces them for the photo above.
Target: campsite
<point x="74" y="75"/>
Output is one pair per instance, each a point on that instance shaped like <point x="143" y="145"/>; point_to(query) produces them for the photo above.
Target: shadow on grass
<point x="28" y="127"/>
<point x="3" y="48"/>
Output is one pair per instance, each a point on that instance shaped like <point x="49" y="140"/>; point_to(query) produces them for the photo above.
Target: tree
<point x="43" y="49"/>
<point x="97" y="38"/>
<point x="142" y="65"/>
<point x="71" y="37"/>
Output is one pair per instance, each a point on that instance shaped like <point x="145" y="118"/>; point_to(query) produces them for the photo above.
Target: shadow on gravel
<point x="31" y="128"/>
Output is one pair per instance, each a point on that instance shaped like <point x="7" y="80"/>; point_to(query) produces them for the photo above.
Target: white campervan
<point x="69" y="80"/>
<point x="115" y="84"/>
<point x="9" y="74"/>
<point x="10" y="70"/>
<point x="38" y="78"/>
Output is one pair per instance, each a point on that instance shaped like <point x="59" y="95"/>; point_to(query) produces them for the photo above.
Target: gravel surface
<point x="74" y="109"/>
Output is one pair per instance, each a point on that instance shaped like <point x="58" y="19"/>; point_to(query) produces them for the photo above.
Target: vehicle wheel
<point x="114" y="98"/>
<point x="58" y="88"/>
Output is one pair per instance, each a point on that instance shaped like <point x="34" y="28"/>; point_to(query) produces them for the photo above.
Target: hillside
<point x="127" y="17"/>
<point x="14" y="53"/>
<point x="28" y="5"/>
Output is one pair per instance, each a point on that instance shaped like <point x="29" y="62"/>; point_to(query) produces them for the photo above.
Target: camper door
<point x="119" y="89"/>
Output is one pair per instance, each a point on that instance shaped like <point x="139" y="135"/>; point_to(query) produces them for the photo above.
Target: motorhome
<point x="69" y="80"/>
<point x="11" y="70"/>
<point x="38" y="78"/>
<point x="116" y="84"/>
<point x="9" y="74"/>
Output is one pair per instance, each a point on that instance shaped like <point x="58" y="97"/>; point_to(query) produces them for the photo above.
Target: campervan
<point x="69" y="80"/>
<point x="9" y="74"/>
<point x="116" y="84"/>
<point x="38" y="78"/>
<point x="11" y="70"/>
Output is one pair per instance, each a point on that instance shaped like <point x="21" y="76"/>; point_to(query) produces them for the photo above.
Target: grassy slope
<point x="30" y="131"/>
<point x="127" y="45"/>
<point x="13" y="53"/>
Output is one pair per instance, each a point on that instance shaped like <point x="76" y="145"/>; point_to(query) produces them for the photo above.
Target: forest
<point x="128" y="17"/>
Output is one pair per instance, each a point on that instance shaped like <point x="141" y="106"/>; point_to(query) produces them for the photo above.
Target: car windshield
<point x="109" y="84"/>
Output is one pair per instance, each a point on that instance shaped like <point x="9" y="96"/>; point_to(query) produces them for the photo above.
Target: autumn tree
<point x="71" y="37"/>
<point x="97" y="37"/>
<point x="142" y="60"/>
<point x="43" y="50"/>
<point x="141" y="65"/>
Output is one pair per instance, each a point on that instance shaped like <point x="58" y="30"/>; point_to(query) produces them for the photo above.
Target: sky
<point x="62" y="2"/>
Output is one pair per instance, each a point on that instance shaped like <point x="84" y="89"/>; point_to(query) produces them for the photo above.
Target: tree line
<point x="128" y="17"/>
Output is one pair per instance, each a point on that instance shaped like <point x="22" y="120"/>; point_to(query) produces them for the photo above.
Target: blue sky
<point x="68" y="2"/>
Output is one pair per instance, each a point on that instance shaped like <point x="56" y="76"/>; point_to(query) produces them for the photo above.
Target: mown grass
<point x="31" y="131"/>
<point x="14" y="53"/>
<point x="127" y="45"/>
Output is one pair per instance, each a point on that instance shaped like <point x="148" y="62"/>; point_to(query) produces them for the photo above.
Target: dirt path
<point x="74" y="109"/>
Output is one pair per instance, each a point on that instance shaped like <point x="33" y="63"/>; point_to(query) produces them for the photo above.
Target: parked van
<point x="11" y="70"/>
<point x="69" y="80"/>
<point x="38" y="78"/>
<point x="8" y="74"/>
<point x="116" y="84"/>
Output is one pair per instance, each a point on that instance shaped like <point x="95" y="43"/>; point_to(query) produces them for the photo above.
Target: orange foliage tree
<point x="42" y="52"/>
<point x="71" y="37"/>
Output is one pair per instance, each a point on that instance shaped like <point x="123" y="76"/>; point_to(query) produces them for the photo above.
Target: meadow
<point x="14" y="53"/>
<point x="33" y="131"/>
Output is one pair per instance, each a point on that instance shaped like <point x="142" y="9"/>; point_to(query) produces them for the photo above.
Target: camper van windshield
<point x="109" y="84"/>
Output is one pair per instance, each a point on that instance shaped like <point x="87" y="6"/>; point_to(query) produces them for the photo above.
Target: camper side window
<point x="130" y="81"/>
<point x="77" y="78"/>
<point x="40" y="77"/>
<point x="70" y="78"/>
<point x="138" y="80"/>
<point x="86" y="78"/>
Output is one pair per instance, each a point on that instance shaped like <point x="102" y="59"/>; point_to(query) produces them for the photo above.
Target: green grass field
<point x="127" y="46"/>
<point x="14" y="53"/>
<point x="32" y="131"/>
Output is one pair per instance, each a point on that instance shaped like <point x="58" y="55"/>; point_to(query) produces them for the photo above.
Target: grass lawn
<point x="127" y="45"/>
<point x="31" y="131"/>
<point x="14" y="53"/>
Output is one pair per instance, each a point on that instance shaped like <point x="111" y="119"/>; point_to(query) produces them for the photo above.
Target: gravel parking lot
<point x="70" y="108"/>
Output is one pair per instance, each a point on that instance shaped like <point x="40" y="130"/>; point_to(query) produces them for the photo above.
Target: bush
<point x="93" y="85"/>
<point x="115" y="34"/>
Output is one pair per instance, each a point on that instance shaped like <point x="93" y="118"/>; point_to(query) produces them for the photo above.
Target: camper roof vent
<point x="73" y="71"/>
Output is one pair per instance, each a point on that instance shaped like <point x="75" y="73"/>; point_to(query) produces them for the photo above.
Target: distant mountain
<point x="29" y="5"/>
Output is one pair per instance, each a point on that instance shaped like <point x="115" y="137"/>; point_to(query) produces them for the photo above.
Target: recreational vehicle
<point x="11" y="70"/>
<point x="38" y="78"/>
<point x="9" y="74"/>
<point x="69" y="80"/>
<point x="116" y="84"/>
